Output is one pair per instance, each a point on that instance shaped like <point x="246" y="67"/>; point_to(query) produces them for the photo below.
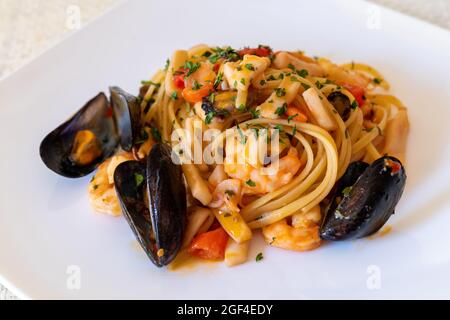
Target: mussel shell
<point x="167" y="201"/>
<point x="55" y="149"/>
<point x="341" y="103"/>
<point x="126" y="110"/>
<point x="161" y="225"/>
<point x="353" y="172"/>
<point x="369" y="203"/>
<point x="131" y="198"/>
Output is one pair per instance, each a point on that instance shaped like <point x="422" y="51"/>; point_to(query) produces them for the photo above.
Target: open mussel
<point x="364" y="199"/>
<point x="152" y="195"/>
<point x="80" y="144"/>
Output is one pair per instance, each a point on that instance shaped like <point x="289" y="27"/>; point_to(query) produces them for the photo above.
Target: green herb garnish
<point x="250" y="67"/>
<point x="155" y="133"/>
<point x="191" y="67"/>
<point x="259" y="257"/>
<point x="255" y="113"/>
<point x="218" y="79"/>
<point x="242" y="135"/>
<point x="281" y="110"/>
<point x="250" y="183"/>
<point x="280" y="92"/>
<point x="138" y="178"/>
<point x="209" y="116"/>
<point x="302" y="73"/>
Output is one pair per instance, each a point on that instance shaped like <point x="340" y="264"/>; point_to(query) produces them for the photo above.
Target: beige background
<point x="29" y="27"/>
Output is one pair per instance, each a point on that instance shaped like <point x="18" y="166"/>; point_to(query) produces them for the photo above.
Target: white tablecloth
<point x="29" y="27"/>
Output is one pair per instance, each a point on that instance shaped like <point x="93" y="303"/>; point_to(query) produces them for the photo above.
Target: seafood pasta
<point x="221" y="142"/>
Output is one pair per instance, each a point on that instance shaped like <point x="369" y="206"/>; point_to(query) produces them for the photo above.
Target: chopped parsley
<point x="167" y="65"/>
<point x="278" y="127"/>
<point x="243" y="81"/>
<point x="292" y="117"/>
<point x="209" y="117"/>
<point x="354" y="104"/>
<point x="291" y="66"/>
<point x="259" y="257"/>
<point x="273" y="240"/>
<point x="191" y="67"/>
<point x="227" y="53"/>
<point x="155" y="133"/>
<point x="174" y="95"/>
<point x="196" y="85"/>
<point x="242" y="108"/>
<point x="218" y="79"/>
<point x="280" y="92"/>
<point x="319" y="85"/>
<point x="306" y="86"/>
<point x="212" y="97"/>
<point x="206" y="54"/>
<point x="250" y="67"/>
<point x="377" y="80"/>
<point x="138" y="178"/>
<point x="242" y="135"/>
<point x="294" y="131"/>
<point x="262" y="82"/>
<point x="281" y="110"/>
<point x="271" y="78"/>
<point x="250" y="183"/>
<point x="255" y="113"/>
<point x="302" y="73"/>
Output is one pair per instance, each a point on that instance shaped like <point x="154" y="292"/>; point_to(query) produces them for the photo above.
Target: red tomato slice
<point x="209" y="245"/>
<point x="357" y="91"/>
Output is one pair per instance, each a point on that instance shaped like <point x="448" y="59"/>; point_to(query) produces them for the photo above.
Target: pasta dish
<point x="222" y="142"/>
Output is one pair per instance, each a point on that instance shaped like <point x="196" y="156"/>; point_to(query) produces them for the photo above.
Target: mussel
<point x="341" y="103"/>
<point x="80" y="144"/>
<point x="152" y="195"/>
<point x="364" y="199"/>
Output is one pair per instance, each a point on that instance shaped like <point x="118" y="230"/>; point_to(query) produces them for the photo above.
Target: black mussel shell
<point x="159" y="227"/>
<point x="96" y="116"/>
<point x="368" y="203"/>
<point x="353" y="172"/>
<point x="127" y="114"/>
<point x="341" y="103"/>
<point x="118" y="123"/>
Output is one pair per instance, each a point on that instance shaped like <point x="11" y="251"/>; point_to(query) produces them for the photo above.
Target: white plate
<point x="46" y="224"/>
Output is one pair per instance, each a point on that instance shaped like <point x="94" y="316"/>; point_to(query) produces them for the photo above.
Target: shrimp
<point x="301" y="235"/>
<point x="101" y="191"/>
<point x="260" y="179"/>
<point x="227" y="195"/>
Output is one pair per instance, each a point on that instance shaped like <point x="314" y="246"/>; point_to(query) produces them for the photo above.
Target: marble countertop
<point x="29" y="27"/>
